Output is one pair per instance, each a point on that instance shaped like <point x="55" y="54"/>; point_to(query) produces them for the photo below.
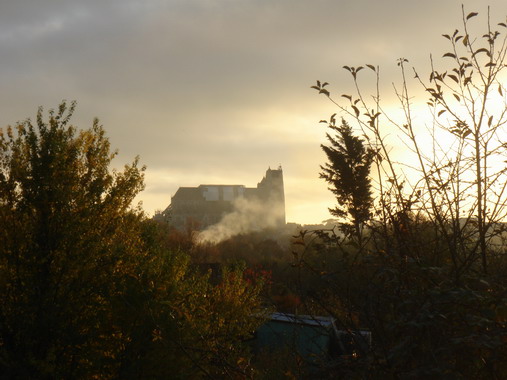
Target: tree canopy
<point x="88" y="288"/>
<point x="68" y="235"/>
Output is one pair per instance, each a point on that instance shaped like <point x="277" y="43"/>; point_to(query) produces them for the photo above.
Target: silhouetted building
<point x="206" y="205"/>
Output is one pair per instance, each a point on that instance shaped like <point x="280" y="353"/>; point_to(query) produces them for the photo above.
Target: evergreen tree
<point x="347" y="172"/>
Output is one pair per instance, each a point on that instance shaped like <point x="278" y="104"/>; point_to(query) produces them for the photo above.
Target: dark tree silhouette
<point x="347" y="172"/>
<point x="430" y="281"/>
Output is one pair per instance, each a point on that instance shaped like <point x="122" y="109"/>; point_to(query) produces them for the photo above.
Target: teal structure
<point x="314" y="339"/>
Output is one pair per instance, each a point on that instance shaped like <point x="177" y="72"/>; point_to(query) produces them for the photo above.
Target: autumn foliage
<point x="89" y="287"/>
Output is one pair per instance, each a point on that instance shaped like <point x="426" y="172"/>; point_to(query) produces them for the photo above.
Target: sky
<point x="213" y="91"/>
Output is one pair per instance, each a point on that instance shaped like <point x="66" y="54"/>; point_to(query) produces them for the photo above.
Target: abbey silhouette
<point x="206" y="205"/>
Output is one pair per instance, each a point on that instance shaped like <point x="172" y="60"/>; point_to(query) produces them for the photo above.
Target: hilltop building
<point x="206" y="205"/>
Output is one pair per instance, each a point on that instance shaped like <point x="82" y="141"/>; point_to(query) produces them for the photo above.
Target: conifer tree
<point x="347" y="172"/>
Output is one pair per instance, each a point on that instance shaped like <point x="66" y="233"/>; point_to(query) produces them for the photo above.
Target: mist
<point x="248" y="215"/>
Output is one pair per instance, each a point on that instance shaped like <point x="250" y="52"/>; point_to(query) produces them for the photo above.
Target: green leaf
<point x="441" y="112"/>
<point x="449" y="55"/>
<point x="457" y="97"/>
<point x="356" y="110"/>
<point x="490" y="121"/>
<point x="371" y="67"/>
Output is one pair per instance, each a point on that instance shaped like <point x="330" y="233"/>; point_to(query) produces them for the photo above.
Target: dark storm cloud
<point x="208" y="89"/>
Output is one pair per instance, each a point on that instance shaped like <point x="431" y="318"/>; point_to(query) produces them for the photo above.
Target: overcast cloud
<point x="211" y="91"/>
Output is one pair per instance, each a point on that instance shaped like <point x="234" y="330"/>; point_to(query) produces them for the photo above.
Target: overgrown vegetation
<point x="88" y="285"/>
<point x="429" y="280"/>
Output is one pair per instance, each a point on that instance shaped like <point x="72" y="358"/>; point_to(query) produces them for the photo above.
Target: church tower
<point x="271" y="191"/>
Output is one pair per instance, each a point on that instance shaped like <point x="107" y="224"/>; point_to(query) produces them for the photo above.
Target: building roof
<point x="221" y="185"/>
<point x="307" y="320"/>
<point x="188" y="194"/>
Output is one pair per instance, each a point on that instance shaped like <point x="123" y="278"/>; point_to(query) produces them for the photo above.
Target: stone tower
<point x="271" y="191"/>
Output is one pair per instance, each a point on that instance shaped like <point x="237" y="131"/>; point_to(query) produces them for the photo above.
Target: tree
<point x="89" y="287"/>
<point x="178" y="322"/>
<point x="347" y="171"/>
<point x="461" y="182"/>
<point x="67" y="236"/>
<point x="430" y="280"/>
